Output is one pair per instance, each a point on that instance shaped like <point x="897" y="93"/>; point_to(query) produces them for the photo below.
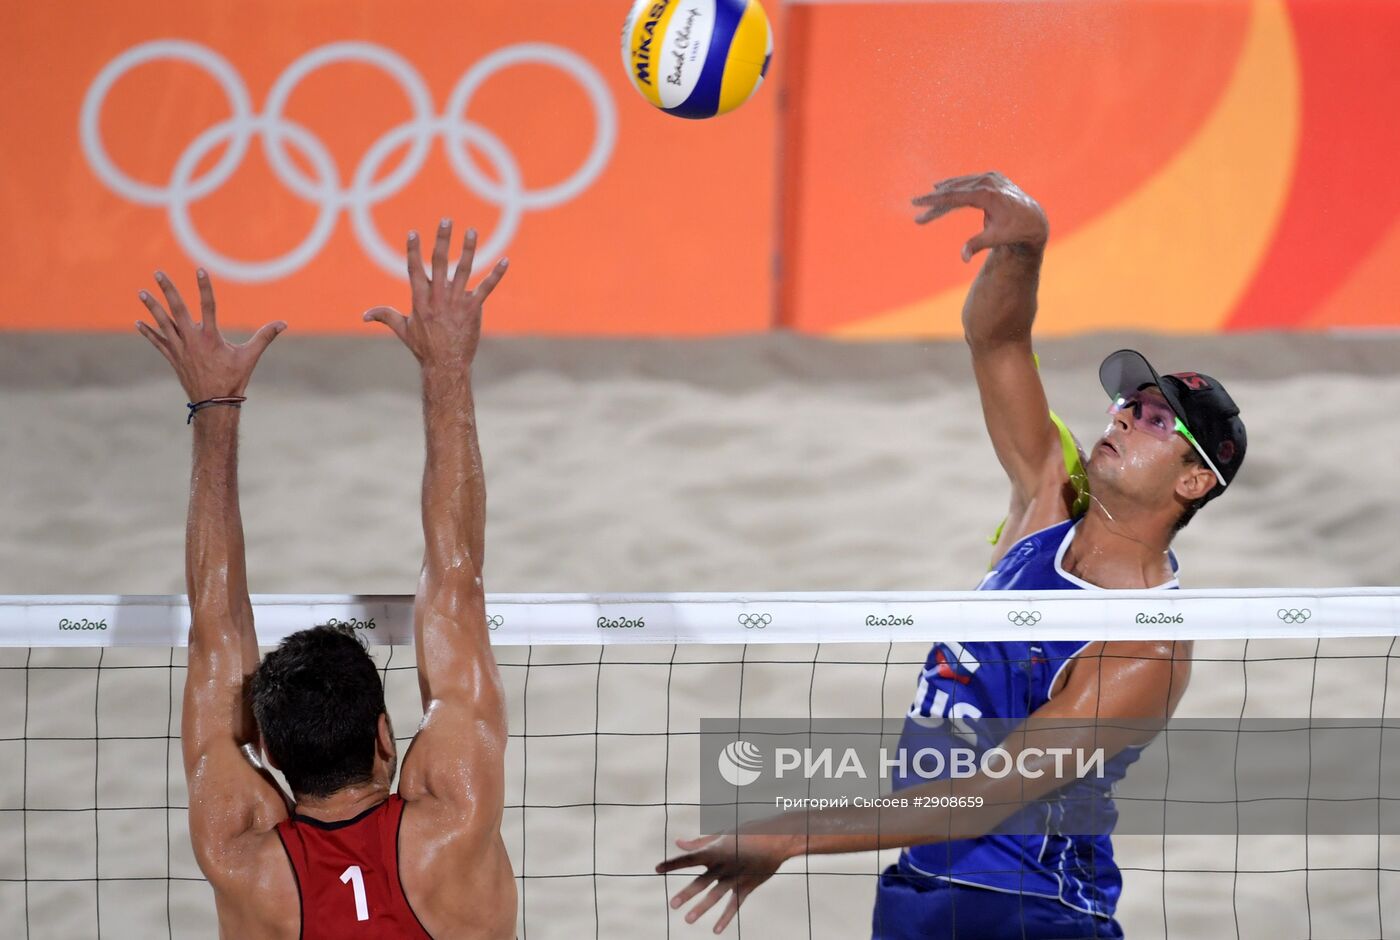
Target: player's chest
<point x="980" y="690"/>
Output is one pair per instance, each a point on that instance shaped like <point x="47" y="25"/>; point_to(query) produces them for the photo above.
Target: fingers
<point x="707" y="902"/>
<point x="928" y="199"/>
<point x="206" y="300"/>
<point x="156" y="340"/>
<point x="688" y="860"/>
<point x="417" y="279"/>
<point x="390" y="318"/>
<point x="464" y="263"/>
<point x="943" y="187"/>
<point x="264" y="337"/>
<point x="730" y="910"/>
<point x="158" y="312"/>
<point x="700" y="883"/>
<point x="975" y="244"/>
<point x="936" y="213"/>
<point x="943" y="201"/>
<point x="694" y="855"/>
<point x="488" y="283"/>
<point x="444" y="240"/>
<point x="957" y="192"/>
<point x="963" y="183"/>
<point x="178" y="312"/>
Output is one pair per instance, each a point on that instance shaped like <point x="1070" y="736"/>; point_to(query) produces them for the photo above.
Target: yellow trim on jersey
<point x="748" y="48"/>
<point x="1074" y="466"/>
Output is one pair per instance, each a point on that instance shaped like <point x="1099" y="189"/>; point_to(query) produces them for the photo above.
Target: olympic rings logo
<point x="755" y="621"/>
<point x="324" y="188"/>
<point x="494" y="622"/>
<point x="1294" y="614"/>
<point x="1024" y="618"/>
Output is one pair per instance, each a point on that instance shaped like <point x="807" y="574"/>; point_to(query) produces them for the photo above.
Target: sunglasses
<point x="1156" y="418"/>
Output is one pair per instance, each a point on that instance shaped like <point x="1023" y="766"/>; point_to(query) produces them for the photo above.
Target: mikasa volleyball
<point x="697" y="58"/>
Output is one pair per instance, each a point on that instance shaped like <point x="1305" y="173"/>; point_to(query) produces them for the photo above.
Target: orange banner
<point x="289" y="147"/>
<point x="1205" y="166"/>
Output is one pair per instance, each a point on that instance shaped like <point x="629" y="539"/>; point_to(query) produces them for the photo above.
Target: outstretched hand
<point x="733" y="862"/>
<point x="207" y="365"/>
<point x="1010" y="217"/>
<point x="445" y="325"/>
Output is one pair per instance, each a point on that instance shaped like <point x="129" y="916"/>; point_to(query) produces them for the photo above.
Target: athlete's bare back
<point x="457" y="888"/>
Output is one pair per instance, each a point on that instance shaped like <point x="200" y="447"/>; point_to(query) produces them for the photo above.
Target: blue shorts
<point x="909" y="906"/>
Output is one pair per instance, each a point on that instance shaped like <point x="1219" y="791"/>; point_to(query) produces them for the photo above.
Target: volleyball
<point x="699" y="58"/>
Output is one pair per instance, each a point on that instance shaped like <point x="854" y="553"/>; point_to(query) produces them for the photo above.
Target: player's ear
<point x="385" y="737"/>
<point x="1195" y="481"/>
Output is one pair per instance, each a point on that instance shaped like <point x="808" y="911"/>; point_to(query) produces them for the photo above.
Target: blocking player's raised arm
<point x="460" y="748"/>
<point x="227" y="796"/>
<point x="997" y="319"/>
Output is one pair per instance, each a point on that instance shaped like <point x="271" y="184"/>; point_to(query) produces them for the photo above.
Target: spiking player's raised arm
<point x="1104" y="521"/>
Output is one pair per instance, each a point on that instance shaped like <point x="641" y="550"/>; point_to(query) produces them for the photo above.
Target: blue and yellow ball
<point x="697" y="58"/>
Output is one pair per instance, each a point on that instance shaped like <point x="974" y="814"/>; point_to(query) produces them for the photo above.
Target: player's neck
<point x="1120" y="549"/>
<point x="346" y="803"/>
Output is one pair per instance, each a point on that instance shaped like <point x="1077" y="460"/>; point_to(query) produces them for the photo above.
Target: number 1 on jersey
<point x="353" y="874"/>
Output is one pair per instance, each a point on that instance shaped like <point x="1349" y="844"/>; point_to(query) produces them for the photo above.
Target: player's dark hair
<point x="1190" y="458"/>
<point x="317" y="699"/>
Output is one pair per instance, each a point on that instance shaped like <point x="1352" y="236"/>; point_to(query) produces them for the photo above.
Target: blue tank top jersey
<point x="982" y="690"/>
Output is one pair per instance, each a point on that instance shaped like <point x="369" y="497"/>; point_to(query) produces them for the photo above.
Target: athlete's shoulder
<point x="437" y="859"/>
<point x="256" y="894"/>
<point x="1046" y="538"/>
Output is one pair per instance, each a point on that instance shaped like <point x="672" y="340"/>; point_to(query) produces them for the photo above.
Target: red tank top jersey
<point x="347" y="876"/>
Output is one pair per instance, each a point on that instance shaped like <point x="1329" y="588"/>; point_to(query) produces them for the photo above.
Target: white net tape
<point x="605" y="619"/>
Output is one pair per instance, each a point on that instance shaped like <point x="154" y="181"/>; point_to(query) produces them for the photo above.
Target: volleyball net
<point x="611" y="700"/>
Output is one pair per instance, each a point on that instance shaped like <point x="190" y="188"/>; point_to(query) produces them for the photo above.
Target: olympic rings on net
<point x="1023" y="618"/>
<point x="1294" y="614"/>
<point x="494" y="622"/>
<point x="755" y="621"/>
<point x="323" y="187"/>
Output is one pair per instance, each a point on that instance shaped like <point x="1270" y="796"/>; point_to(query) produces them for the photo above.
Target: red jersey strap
<point x="347" y="875"/>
